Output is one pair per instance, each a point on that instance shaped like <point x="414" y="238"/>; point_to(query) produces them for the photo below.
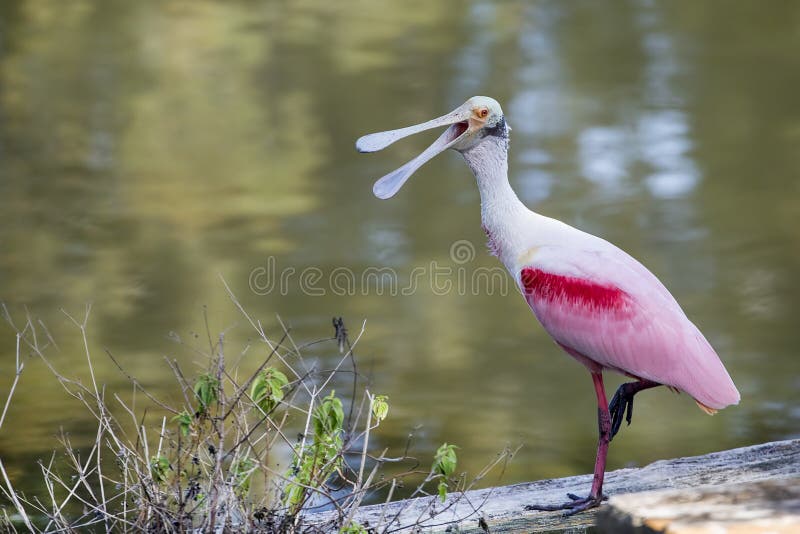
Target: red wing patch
<point x="555" y="288"/>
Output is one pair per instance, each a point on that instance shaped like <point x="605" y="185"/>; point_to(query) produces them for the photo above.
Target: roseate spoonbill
<point x="604" y="308"/>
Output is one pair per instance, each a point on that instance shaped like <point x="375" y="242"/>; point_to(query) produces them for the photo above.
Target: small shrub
<point x="206" y="464"/>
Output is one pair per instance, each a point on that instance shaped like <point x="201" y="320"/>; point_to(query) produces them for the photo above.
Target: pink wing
<point x="607" y="310"/>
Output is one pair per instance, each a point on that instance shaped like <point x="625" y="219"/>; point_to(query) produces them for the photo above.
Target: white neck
<point x="503" y="214"/>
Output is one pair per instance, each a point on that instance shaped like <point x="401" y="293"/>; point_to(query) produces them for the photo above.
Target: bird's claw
<point x="622" y="403"/>
<point x="575" y="505"/>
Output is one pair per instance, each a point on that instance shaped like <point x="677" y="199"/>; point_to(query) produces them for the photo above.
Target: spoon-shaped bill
<point x="390" y="184"/>
<point x="379" y="141"/>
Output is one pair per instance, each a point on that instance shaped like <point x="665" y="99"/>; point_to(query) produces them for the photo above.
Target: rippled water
<point x="146" y="147"/>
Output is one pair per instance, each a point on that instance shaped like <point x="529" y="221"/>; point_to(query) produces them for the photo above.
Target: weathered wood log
<point x="502" y="508"/>
<point x="763" y="506"/>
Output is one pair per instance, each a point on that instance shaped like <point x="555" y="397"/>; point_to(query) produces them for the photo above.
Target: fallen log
<point x="501" y="509"/>
<point x="764" y="506"/>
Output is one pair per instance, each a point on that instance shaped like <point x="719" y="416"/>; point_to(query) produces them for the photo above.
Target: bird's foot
<point x="621" y="403"/>
<point x="573" y="506"/>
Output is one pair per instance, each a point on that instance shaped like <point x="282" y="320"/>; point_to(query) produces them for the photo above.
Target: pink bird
<point x="600" y="305"/>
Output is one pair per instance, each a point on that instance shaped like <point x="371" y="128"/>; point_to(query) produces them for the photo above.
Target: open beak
<point x="461" y="125"/>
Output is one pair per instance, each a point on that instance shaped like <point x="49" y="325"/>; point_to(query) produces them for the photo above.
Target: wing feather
<point x="607" y="307"/>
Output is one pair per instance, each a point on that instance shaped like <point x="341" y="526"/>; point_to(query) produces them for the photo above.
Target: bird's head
<point x="470" y="124"/>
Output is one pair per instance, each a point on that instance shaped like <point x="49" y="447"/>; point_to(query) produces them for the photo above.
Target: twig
<point x="18" y="372"/>
<point x="11" y="494"/>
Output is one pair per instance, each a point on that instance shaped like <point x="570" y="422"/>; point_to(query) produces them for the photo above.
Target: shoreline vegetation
<point x="256" y="451"/>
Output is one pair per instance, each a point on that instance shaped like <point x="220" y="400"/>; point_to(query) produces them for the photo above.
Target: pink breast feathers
<point x="572" y="292"/>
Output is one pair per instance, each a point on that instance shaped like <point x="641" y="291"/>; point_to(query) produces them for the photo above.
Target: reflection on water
<point x="659" y="141"/>
<point x="146" y="147"/>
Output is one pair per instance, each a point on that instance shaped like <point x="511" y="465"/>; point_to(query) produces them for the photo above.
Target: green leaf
<point x="380" y="407"/>
<point x="445" y="461"/>
<point x="328" y="417"/>
<point x="184" y="420"/>
<point x="294" y="496"/>
<point x="442" y="490"/>
<point x="353" y="528"/>
<point x="267" y="388"/>
<point x="242" y="472"/>
<point x="206" y="389"/>
<point x="277" y="378"/>
<point x="159" y="466"/>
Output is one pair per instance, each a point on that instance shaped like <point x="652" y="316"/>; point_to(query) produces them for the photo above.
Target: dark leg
<point x="579" y="504"/>
<point x="623" y="402"/>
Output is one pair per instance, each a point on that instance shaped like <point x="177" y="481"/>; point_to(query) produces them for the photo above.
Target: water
<point x="148" y="147"/>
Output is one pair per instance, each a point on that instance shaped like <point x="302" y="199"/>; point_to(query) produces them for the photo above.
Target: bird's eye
<point x="483" y="113"/>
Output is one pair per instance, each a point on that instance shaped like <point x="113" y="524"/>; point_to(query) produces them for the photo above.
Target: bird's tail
<point x="712" y="388"/>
